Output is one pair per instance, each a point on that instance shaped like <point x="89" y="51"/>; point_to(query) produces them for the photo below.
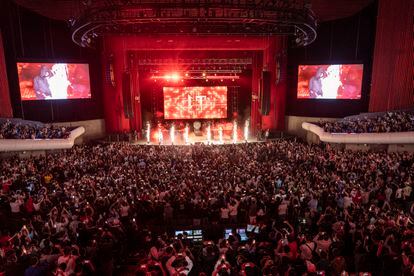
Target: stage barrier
<point x="41" y="144"/>
<point x="361" y="138"/>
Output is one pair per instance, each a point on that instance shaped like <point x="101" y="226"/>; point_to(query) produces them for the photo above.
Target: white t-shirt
<point x="313" y="204"/>
<point x="398" y="193"/>
<point x="69" y="261"/>
<point x="124" y="211"/>
<point x="224" y="213"/>
<point x="347" y="201"/>
<point x="407" y="191"/>
<point x="233" y="209"/>
<point x="15" y="206"/>
<point x="282" y="210"/>
<point x="306" y="250"/>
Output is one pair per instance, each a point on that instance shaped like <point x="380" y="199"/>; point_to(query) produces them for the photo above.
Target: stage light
<point x="148" y="132"/>
<point x="204" y="74"/>
<point x="175" y="77"/>
<point x="235" y="132"/>
<point x="208" y="135"/>
<point x="246" y="130"/>
<point x="221" y="80"/>
<point x="226" y="77"/>
<point x="220" y="135"/>
<point x="160" y="136"/>
<point x="186" y="74"/>
<point x="186" y="134"/>
<point x="172" y="134"/>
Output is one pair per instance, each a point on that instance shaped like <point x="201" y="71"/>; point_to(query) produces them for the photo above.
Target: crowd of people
<point x="319" y="211"/>
<point x="11" y="130"/>
<point x="388" y="122"/>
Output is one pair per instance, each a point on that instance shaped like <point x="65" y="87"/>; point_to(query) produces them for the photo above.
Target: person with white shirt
<point x="313" y="204"/>
<point x="307" y="249"/>
<point x="15" y="205"/>
<point x="224" y="213"/>
<point x="388" y="193"/>
<point x="179" y="264"/>
<point x="323" y="242"/>
<point x="232" y="206"/>
<point x="68" y="259"/>
<point x="282" y="209"/>
<point x="407" y="191"/>
<point x="347" y="201"/>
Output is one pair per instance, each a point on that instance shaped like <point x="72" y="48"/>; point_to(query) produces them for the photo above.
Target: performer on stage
<point x="41" y="83"/>
<point x="315" y="84"/>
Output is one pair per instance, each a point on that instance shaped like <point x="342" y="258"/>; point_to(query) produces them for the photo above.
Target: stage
<point x="195" y="140"/>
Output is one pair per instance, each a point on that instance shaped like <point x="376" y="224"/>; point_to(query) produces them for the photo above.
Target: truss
<point x="201" y="17"/>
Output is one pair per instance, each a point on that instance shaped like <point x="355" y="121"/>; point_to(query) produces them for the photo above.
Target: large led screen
<point x="52" y="81"/>
<point x="335" y="81"/>
<point x="197" y="102"/>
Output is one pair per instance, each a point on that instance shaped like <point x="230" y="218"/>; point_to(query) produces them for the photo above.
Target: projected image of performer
<point x="41" y="83"/>
<point x="331" y="82"/>
<point x="59" y="83"/>
<point x="315" y="84"/>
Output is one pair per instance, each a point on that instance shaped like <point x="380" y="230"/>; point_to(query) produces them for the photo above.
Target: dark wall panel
<point x="347" y="40"/>
<point x="31" y="37"/>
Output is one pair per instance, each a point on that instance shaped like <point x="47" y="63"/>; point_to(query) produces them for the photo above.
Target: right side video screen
<point x="330" y="81"/>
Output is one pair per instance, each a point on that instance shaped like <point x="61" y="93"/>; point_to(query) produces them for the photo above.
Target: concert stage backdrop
<point x="334" y="81"/>
<point x="52" y="81"/>
<point x="197" y="102"/>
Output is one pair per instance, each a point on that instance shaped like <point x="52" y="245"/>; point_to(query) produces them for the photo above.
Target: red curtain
<point x="274" y="61"/>
<point x="392" y="75"/>
<point x="255" y="119"/>
<point x="5" y="105"/>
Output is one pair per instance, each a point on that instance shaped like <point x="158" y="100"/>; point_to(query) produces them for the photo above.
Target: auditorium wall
<point x="94" y="129"/>
<point x="347" y="40"/>
<point x="392" y="76"/>
<point x="294" y="124"/>
<point x="31" y="37"/>
<point x="5" y="105"/>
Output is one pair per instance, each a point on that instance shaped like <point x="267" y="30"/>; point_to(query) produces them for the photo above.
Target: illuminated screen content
<point x="197" y="102"/>
<point x="336" y="81"/>
<point x="53" y="81"/>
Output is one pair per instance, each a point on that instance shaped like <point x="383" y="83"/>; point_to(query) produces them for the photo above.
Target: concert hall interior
<point x="206" y="137"/>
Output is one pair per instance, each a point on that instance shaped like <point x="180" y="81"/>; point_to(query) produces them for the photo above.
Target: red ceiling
<point x="65" y="9"/>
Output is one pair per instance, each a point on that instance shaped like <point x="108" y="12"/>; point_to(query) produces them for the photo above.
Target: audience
<point x="388" y="122"/>
<point x="320" y="211"/>
<point x="10" y="130"/>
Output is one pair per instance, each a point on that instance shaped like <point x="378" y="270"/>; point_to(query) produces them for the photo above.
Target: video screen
<point x="195" y="235"/>
<point x="252" y="228"/>
<point x="335" y="81"/>
<point x="196" y="102"/>
<point x="53" y="81"/>
<point x="240" y="231"/>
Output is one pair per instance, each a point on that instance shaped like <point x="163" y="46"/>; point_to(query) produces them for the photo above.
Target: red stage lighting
<point x="168" y="77"/>
<point x="175" y="77"/>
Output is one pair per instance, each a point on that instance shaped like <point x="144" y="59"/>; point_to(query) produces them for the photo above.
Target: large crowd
<point x="397" y="121"/>
<point x="23" y="130"/>
<point x="318" y="211"/>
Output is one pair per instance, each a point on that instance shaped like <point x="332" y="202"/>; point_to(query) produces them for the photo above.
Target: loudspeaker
<point x="265" y="93"/>
<point x="127" y="95"/>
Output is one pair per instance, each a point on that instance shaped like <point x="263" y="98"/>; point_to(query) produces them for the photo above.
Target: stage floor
<point x="193" y="139"/>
